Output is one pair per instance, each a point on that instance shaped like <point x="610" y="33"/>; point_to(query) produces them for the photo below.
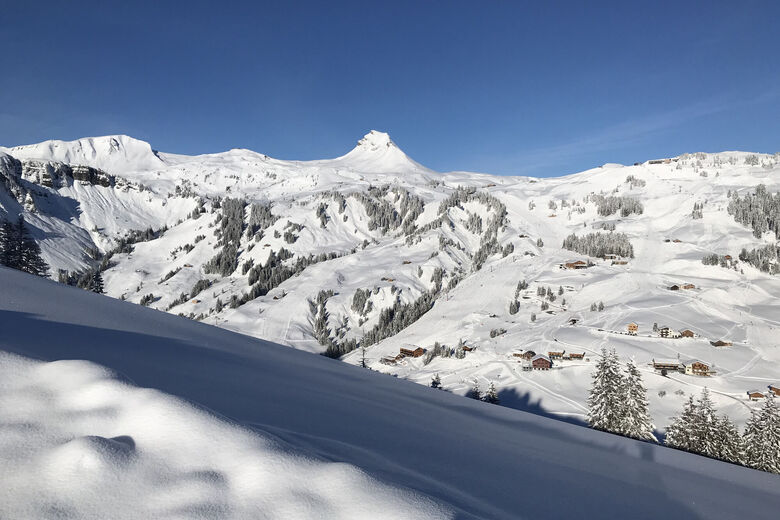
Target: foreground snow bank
<point x="77" y="443"/>
<point x="153" y="455"/>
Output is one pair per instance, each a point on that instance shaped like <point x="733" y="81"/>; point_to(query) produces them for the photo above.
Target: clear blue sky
<point x="538" y="88"/>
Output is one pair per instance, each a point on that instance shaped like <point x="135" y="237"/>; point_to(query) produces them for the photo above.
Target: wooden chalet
<point x="575" y="355"/>
<point x="775" y="389"/>
<point x="720" y="343"/>
<point x="619" y="262"/>
<point x="755" y="395"/>
<point x="676" y="241"/>
<point x="466" y="348"/>
<point x="529" y="355"/>
<point x="687" y="333"/>
<point x="578" y="264"/>
<point x="632" y="328"/>
<point x="666" y="364"/>
<point x="408" y="351"/>
<point x="541" y="362"/>
<point x="689" y="286"/>
<point x="674" y="288"/>
<point x="696" y="367"/>
<point x="556" y="354"/>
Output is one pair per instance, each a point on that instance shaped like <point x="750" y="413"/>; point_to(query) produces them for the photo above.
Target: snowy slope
<point x="168" y="418"/>
<point x="330" y="207"/>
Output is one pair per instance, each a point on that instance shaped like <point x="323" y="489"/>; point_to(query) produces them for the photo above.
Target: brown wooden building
<point x="720" y="343"/>
<point x="556" y="354"/>
<point x="755" y="395"/>
<point x="410" y="352"/>
<point x="775" y="389"/>
<point x="575" y="355"/>
<point x="686" y="333"/>
<point x="632" y="328"/>
<point x="541" y="362"/>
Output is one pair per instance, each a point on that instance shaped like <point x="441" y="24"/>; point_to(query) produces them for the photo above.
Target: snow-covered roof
<point x="692" y="361"/>
<point x="755" y="392"/>
<point x="666" y="361"/>
<point x="540" y="356"/>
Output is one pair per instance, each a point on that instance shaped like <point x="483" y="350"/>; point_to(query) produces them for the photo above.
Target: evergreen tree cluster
<point x="699" y="429"/>
<point x="763" y="258"/>
<point x="698" y="211"/>
<point x="618" y="401"/>
<point x="19" y="250"/>
<point x="361" y="302"/>
<point x="635" y="182"/>
<point x="231" y="226"/>
<point x="260" y="219"/>
<point x="600" y="244"/>
<point x="759" y="211"/>
<point x="610" y="205"/>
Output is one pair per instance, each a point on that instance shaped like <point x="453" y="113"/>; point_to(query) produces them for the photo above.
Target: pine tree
<point x="706" y="427"/>
<point x="606" y="400"/>
<point x="491" y="396"/>
<point x="436" y="381"/>
<point x="601" y="306"/>
<point x="96" y="284"/>
<point x="474" y="392"/>
<point x="762" y="438"/>
<point x="20" y="250"/>
<point x="731" y="448"/>
<point x="680" y="433"/>
<point x="363" y="357"/>
<point x="636" y="422"/>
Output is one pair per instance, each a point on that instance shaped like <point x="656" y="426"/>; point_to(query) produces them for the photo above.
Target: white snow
<point x="168" y="418"/>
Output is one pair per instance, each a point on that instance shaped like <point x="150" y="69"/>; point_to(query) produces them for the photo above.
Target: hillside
<point x="163" y="417"/>
<point x="374" y="249"/>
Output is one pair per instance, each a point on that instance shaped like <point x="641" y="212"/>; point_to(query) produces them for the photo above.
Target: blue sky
<point x="535" y="88"/>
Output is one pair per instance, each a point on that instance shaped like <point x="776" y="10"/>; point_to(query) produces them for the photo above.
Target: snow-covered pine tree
<point x="636" y="421"/>
<point x="436" y="381"/>
<point x="606" y="400"/>
<point x="762" y="438"/>
<point x="474" y="392"/>
<point x="491" y="396"/>
<point x="680" y="433"/>
<point x="731" y="448"/>
<point x="707" y="435"/>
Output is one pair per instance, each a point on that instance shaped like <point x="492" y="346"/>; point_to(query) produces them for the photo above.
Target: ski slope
<point x="112" y="410"/>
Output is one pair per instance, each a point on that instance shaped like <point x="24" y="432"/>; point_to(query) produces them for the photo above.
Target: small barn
<point x="755" y="395"/>
<point x="556" y="354"/>
<point x="689" y="286"/>
<point x="411" y="351"/>
<point x="541" y="362"/>
<point x="686" y="333"/>
<point x="775" y="389"/>
<point x="575" y="355"/>
<point x="578" y="264"/>
<point x="720" y="343"/>
<point x="633" y="328"/>
<point x="672" y="365"/>
<point x="529" y="355"/>
<point x="674" y="288"/>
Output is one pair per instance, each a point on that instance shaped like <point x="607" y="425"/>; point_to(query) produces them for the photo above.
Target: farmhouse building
<point x="689" y="286"/>
<point x="541" y="362"/>
<point x="696" y="367"/>
<point x="755" y="395"/>
<point x="575" y="355"/>
<point x="775" y="389"/>
<point x="579" y="264"/>
<point x="674" y="288"/>
<point x="632" y="328"/>
<point x="410" y="351"/>
<point x="556" y="354"/>
<point x="720" y="343"/>
<point x="687" y="333"/>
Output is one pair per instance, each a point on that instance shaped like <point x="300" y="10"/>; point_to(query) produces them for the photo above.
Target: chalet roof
<point x="692" y="361"/>
<point x="755" y="392"/>
<point x="775" y="385"/>
<point x="540" y="356"/>
<point x="666" y="361"/>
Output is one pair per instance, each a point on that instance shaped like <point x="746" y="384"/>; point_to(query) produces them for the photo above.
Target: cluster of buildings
<point x="664" y="331"/>
<point x="533" y="361"/>
<point x="686" y="286"/>
<point x="692" y="367"/>
<point x="755" y="395"/>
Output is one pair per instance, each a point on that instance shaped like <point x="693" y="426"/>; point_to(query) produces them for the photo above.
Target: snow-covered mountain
<point x="110" y="410"/>
<point x="373" y="248"/>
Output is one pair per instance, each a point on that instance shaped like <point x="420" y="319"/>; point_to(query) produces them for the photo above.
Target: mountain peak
<point x="376" y="141"/>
